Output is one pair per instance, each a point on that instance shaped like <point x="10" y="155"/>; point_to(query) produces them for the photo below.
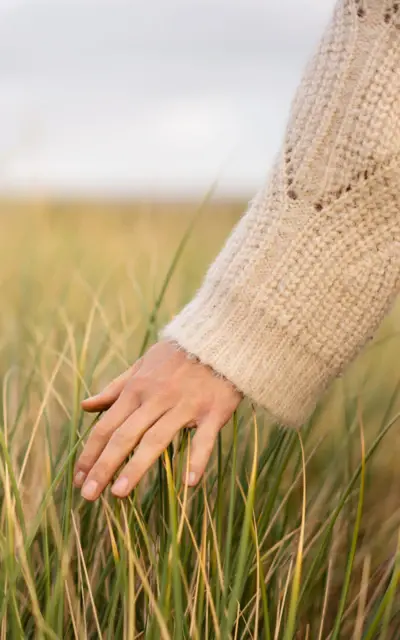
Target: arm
<point x="301" y="284"/>
<point x="313" y="266"/>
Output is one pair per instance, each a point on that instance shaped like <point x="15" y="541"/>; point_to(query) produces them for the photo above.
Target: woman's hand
<point x="147" y="405"/>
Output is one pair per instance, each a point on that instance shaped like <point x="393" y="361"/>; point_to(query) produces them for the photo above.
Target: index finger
<point x="103" y="400"/>
<point x="126" y="404"/>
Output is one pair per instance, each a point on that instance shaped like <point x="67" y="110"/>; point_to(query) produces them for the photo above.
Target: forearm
<point x="311" y="269"/>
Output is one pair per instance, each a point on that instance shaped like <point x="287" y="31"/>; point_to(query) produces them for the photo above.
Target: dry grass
<point x="78" y="285"/>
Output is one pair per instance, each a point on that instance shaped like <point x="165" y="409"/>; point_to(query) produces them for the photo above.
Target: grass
<point x="289" y="535"/>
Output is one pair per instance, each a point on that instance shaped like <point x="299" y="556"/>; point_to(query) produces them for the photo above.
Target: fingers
<point x="122" y="441"/>
<point x="144" y="411"/>
<point x="108" y="396"/>
<point x="103" y="400"/>
<point x="126" y="404"/>
<point x="201" y="448"/>
<point x="151" y="446"/>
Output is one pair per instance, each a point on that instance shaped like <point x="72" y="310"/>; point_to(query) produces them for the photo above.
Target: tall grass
<point x="289" y="535"/>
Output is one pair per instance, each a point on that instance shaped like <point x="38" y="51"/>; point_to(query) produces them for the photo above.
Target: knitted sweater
<point x="312" y="267"/>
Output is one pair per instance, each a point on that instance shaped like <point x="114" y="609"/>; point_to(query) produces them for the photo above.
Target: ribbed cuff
<point x="253" y="353"/>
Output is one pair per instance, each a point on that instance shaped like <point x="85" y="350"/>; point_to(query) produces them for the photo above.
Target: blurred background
<point x="116" y="118"/>
<point x="155" y="99"/>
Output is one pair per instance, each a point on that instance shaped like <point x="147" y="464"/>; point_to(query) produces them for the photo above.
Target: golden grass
<point x="63" y="263"/>
<point x="78" y="282"/>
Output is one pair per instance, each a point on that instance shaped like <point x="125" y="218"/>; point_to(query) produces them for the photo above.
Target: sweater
<point x="310" y="270"/>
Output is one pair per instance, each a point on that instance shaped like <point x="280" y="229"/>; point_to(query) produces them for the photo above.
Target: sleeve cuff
<point x="276" y="371"/>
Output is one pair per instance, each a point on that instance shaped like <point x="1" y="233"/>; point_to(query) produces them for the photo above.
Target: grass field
<point x="289" y="535"/>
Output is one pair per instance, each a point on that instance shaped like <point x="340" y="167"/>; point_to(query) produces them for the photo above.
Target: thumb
<point x="103" y="400"/>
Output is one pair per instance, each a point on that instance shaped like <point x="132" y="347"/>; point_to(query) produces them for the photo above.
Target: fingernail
<point x="119" y="488"/>
<point x="79" y="479"/>
<point x="191" y="478"/>
<point x="89" y="489"/>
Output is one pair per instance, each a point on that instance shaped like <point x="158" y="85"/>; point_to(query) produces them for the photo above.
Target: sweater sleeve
<point x="312" y="267"/>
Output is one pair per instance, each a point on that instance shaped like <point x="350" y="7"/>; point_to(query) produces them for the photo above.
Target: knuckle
<point x="132" y="391"/>
<point x="134" y="368"/>
<point x="198" y="460"/>
<point x="152" y="440"/>
<point x="164" y="388"/>
<point x="86" y="459"/>
<point x="83" y="464"/>
<point x="159" y="395"/>
<point x="137" y="383"/>
<point x="170" y="387"/>
<point x="97" y="477"/>
<point x="195" y="405"/>
<point x="101" y="472"/>
<point x="163" y="397"/>
<point x="101" y="431"/>
<point x="205" y="448"/>
<point x="118" y="438"/>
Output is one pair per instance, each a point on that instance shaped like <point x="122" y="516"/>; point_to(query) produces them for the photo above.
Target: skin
<point x="144" y="409"/>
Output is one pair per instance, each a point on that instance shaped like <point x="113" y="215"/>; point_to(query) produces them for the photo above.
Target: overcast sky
<point x="148" y="97"/>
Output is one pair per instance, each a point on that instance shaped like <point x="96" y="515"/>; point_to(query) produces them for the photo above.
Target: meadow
<point x="289" y="535"/>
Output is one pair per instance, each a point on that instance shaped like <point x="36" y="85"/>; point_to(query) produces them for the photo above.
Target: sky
<point x="154" y="97"/>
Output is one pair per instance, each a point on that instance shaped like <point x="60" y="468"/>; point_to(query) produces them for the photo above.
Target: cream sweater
<point x="313" y="266"/>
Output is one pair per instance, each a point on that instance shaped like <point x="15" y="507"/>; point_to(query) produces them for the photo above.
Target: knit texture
<point x="310" y="270"/>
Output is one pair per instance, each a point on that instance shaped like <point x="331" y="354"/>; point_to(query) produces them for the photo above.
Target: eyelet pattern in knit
<point x="314" y="265"/>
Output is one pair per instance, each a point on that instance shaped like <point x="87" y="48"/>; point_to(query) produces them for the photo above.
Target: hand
<point x="147" y="405"/>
